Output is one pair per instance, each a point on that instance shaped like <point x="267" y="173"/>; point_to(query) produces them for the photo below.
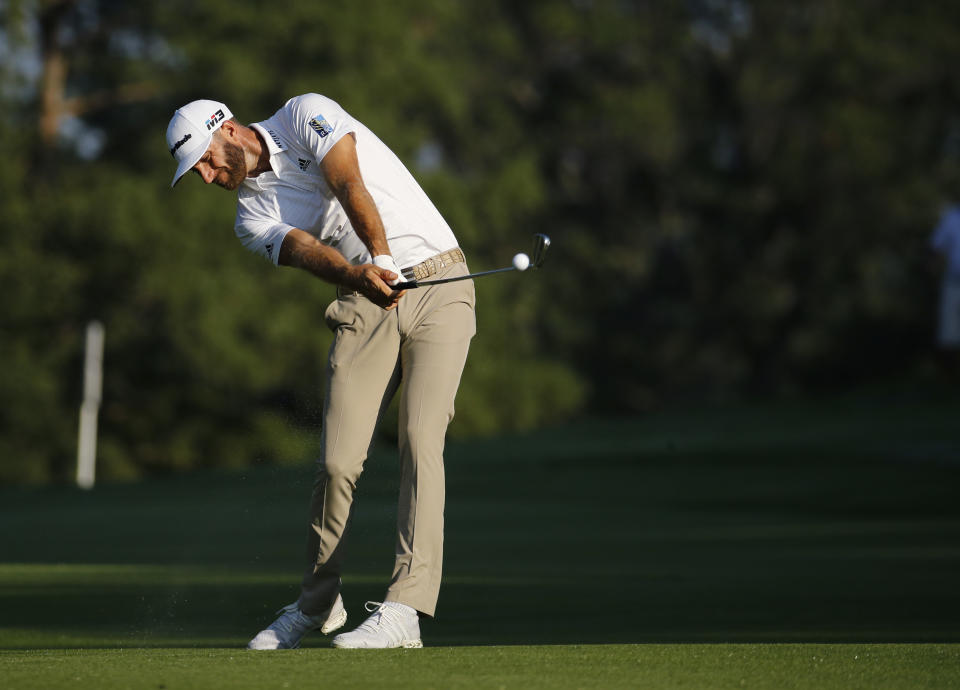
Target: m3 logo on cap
<point x="320" y="126"/>
<point x="214" y="119"/>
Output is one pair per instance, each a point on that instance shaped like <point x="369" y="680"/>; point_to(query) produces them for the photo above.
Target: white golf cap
<point x="190" y="131"/>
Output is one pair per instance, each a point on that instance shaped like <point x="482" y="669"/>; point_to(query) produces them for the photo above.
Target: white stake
<point x="92" y="389"/>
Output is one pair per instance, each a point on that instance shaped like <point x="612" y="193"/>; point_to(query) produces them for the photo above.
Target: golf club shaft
<point x="410" y="284"/>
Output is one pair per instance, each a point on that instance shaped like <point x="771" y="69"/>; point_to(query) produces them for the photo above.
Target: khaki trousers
<point x="423" y="343"/>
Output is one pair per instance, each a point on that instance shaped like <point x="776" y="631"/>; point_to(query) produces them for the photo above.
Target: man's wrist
<point x="387" y="263"/>
<point x="348" y="277"/>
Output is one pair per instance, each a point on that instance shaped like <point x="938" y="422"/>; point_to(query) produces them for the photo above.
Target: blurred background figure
<point x="945" y="241"/>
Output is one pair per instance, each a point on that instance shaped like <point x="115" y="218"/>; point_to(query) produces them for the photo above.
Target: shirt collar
<point x="274" y="144"/>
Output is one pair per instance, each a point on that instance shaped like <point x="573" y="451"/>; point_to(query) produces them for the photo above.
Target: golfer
<point x="319" y="191"/>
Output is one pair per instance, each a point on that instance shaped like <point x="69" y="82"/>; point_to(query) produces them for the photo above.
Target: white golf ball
<point x="521" y="261"/>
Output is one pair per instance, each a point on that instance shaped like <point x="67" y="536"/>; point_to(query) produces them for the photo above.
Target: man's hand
<point x="373" y="283"/>
<point x="386" y="261"/>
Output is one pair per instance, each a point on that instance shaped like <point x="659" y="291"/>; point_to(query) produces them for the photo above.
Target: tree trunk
<point x="54" y="78"/>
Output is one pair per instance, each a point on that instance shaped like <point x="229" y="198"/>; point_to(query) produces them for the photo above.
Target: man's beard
<point x="236" y="167"/>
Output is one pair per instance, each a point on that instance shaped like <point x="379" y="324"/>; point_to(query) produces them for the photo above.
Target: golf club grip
<point x="410" y="284"/>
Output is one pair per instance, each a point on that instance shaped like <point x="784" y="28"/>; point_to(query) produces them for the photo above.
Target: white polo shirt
<point x="294" y="194"/>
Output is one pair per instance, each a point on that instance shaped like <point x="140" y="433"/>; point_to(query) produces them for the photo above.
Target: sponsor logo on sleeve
<point x="269" y="248"/>
<point x="320" y="125"/>
<point x="186" y="138"/>
<point x="214" y="119"/>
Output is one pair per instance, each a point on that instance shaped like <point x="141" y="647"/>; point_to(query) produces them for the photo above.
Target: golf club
<point x="540" y="245"/>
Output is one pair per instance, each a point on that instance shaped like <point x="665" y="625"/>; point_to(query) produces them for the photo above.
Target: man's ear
<point x="228" y="129"/>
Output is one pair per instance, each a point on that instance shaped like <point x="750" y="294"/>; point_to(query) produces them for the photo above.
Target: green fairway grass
<point x="803" y="545"/>
<point x="574" y="666"/>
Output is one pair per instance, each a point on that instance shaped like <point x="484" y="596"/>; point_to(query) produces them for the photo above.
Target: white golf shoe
<point x="287" y="631"/>
<point x="391" y="624"/>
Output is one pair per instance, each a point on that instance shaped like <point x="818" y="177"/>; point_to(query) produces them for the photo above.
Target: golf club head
<point x="541" y="243"/>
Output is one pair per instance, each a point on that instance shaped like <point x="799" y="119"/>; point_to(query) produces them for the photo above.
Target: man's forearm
<point x="364" y="216"/>
<point x="341" y="168"/>
<point x="302" y="250"/>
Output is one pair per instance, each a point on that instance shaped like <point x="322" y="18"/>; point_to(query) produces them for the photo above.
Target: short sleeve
<point x="260" y="234"/>
<point x="319" y="123"/>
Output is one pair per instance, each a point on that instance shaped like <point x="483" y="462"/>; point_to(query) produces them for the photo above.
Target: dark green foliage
<point x="739" y="196"/>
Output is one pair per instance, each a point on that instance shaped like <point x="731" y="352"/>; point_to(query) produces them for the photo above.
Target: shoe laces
<point x="381" y="614"/>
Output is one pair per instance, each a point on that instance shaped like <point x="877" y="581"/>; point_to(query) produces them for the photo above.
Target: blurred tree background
<point x="739" y="195"/>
